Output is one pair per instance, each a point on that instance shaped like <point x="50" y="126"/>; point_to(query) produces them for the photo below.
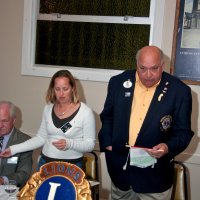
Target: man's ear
<point x="14" y="119"/>
<point x="163" y="66"/>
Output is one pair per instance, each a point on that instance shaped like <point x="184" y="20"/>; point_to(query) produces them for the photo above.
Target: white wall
<point x="28" y="92"/>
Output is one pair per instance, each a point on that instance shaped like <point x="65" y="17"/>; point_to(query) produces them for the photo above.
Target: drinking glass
<point x="11" y="188"/>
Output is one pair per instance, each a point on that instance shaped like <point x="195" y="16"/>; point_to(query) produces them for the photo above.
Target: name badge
<point x="12" y="160"/>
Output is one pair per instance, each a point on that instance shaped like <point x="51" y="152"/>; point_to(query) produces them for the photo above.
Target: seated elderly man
<point x="19" y="166"/>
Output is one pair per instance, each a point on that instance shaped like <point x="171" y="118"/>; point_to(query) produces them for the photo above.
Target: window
<point x="94" y="40"/>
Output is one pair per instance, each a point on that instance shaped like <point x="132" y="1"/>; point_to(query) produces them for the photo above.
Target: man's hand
<point x="109" y="148"/>
<point x="158" y="151"/>
<point x="6" y="153"/>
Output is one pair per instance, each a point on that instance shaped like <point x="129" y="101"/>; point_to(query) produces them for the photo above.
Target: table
<point x="5" y="196"/>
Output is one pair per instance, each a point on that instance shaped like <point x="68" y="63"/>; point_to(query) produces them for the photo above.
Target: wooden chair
<point x="180" y="187"/>
<point x="90" y="167"/>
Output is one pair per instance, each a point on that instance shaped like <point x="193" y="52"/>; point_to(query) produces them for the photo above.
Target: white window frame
<point x="31" y="14"/>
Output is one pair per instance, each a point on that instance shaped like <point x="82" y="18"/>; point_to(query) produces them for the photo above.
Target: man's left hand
<point x="158" y="151"/>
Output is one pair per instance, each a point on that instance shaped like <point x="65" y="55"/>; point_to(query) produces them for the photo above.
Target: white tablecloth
<point x="4" y="195"/>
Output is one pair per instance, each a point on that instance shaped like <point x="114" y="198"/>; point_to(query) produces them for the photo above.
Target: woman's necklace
<point x="63" y="113"/>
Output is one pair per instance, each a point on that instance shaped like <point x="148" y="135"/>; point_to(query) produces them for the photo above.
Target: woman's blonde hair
<point x="50" y="96"/>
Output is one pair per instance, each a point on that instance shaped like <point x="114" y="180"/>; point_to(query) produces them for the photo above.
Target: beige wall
<point x="28" y="92"/>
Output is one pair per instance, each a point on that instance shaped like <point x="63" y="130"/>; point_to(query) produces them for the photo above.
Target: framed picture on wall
<point x="185" y="63"/>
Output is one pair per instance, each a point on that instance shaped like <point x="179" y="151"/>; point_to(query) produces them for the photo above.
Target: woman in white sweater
<point x="67" y="129"/>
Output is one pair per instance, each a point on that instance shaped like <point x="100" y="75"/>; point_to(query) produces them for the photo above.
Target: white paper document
<point x="140" y="158"/>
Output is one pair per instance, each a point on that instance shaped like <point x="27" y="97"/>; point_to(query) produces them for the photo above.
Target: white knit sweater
<point x="81" y="136"/>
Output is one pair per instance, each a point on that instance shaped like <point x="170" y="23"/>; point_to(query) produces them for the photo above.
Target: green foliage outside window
<point x="91" y="45"/>
<point x="137" y="8"/>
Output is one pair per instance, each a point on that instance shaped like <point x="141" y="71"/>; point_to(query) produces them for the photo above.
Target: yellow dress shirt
<point x="140" y="105"/>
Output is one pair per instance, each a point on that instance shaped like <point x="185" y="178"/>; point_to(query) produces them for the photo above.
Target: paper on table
<point x="140" y="158"/>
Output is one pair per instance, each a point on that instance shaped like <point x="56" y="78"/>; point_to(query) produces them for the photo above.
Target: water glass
<point x="11" y="187"/>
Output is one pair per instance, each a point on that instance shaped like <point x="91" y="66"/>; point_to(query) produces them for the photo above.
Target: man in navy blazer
<point x="164" y="128"/>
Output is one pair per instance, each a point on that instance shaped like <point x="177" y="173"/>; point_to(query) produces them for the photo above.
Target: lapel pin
<point x="127" y="84"/>
<point x="160" y="96"/>
<point x="127" y="94"/>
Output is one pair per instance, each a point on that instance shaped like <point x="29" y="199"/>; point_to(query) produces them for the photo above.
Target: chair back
<point x="90" y="165"/>
<point x="179" y="191"/>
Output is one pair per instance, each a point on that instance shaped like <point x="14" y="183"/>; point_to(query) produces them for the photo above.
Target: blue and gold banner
<point x="57" y="181"/>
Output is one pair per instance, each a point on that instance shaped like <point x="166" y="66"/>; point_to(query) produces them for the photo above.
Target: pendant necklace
<point x="63" y="113"/>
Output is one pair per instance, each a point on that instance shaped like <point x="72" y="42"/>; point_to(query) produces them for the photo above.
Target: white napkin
<point x="3" y="194"/>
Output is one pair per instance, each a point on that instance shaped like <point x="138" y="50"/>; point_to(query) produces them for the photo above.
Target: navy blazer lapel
<point x="128" y="99"/>
<point x="123" y="101"/>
